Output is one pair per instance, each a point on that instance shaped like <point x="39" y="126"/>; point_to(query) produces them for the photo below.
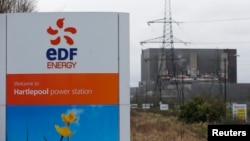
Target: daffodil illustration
<point x="69" y="118"/>
<point x="64" y="131"/>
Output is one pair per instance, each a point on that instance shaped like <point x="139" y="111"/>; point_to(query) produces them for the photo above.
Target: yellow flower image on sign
<point x="64" y="131"/>
<point x="70" y="118"/>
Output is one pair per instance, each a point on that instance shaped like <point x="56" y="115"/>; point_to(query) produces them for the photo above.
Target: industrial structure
<point x="191" y="65"/>
<point x="172" y="75"/>
<point x="160" y="82"/>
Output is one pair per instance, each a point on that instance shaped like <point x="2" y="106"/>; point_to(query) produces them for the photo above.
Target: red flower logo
<point x="57" y="40"/>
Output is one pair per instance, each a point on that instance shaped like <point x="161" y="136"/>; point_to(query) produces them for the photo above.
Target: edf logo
<point x="61" y="57"/>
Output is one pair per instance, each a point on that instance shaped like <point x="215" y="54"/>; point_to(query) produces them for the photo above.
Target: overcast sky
<point x="213" y="24"/>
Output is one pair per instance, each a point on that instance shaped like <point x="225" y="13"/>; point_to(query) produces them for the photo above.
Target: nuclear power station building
<point x="174" y="76"/>
<point x="189" y="65"/>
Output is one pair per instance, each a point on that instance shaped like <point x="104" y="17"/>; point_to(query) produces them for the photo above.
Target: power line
<point x="216" y="43"/>
<point x="218" y="20"/>
<point x="200" y="21"/>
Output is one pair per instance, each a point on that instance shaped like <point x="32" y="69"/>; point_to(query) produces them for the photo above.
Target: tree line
<point x="17" y="6"/>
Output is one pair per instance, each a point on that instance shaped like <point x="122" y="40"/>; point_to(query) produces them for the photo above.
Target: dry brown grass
<point x="146" y="126"/>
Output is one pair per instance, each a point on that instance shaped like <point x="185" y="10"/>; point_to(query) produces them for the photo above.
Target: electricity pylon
<point x="167" y="40"/>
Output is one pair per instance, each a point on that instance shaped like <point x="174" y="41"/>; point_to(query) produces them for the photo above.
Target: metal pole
<point x="146" y="92"/>
<point x="225" y="81"/>
<point x="160" y="90"/>
<point x="225" y="87"/>
<point x="182" y="90"/>
<point x="136" y="98"/>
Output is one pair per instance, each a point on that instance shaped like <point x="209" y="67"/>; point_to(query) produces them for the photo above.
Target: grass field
<point x="151" y="126"/>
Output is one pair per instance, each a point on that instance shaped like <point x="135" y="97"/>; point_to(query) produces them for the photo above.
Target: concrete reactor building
<point x="189" y="65"/>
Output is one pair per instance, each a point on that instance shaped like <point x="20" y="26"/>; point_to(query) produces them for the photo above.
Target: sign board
<point x="67" y="76"/>
<point x="146" y="106"/>
<point x="163" y="106"/>
<point x="239" y="112"/>
<point x="134" y="105"/>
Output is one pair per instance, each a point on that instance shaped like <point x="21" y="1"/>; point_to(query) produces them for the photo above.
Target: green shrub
<point x="198" y="109"/>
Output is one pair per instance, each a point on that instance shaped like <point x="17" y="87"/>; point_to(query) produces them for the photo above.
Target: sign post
<point x="67" y="76"/>
<point x="2" y="77"/>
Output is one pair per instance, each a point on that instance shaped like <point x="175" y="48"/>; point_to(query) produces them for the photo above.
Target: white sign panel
<point x="240" y="112"/>
<point x="134" y="105"/>
<point x="163" y="106"/>
<point x="80" y="42"/>
<point x="146" y="106"/>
